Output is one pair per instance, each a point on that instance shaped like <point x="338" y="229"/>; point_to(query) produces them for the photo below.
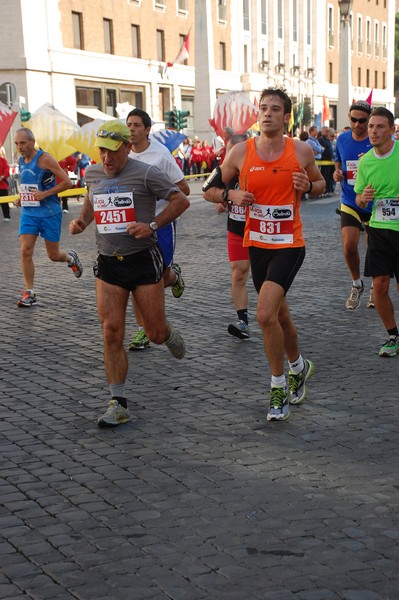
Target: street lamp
<point x="344" y="75"/>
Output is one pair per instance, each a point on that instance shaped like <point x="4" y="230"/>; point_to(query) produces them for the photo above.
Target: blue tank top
<point x="31" y="173"/>
<point x="347" y="153"/>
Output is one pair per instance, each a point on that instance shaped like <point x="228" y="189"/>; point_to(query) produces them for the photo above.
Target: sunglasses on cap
<point x="112" y="135"/>
<point x="361" y="120"/>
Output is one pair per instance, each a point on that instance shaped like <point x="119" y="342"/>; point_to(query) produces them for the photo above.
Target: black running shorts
<point x="141" y="268"/>
<point x="279" y="266"/>
<point x="382" y="253"/>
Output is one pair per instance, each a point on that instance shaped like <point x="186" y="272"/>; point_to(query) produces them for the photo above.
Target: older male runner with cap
<point x="121" y="198"/>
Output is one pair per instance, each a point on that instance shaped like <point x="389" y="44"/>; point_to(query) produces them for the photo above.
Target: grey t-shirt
<point x="117" y="201"/>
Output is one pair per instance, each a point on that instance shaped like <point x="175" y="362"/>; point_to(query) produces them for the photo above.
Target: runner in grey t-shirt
<point x="121" y="200"/>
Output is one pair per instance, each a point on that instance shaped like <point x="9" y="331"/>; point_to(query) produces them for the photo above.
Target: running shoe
<point x="297" y="383"/>
<point x="353" y="300"/>
<point x="140" y="341"/>
<point x="239" y="329"/>
<point x="179" y="286"/>
<point x="76" y="265"/>
<point x="175" y="344"/>
<point x="279" y="409"/>
<point x="390" y="348"/>
<point x="27" y="299"/>
<point x="115" y="415"/>
<point x="370" y="301"/>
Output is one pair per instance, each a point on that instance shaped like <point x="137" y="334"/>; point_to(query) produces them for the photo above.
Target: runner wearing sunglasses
<point x="351" y="145"/>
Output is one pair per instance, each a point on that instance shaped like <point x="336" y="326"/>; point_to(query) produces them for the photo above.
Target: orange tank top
<point x="273" y="221"/>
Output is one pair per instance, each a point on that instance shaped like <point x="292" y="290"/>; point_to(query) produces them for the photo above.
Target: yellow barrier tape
<point x="66" y="193"/>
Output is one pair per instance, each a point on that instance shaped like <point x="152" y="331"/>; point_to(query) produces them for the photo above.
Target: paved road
<point x="198" y="498"/>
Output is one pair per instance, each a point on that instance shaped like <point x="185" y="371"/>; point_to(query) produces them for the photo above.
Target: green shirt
<point x="382" y="173"/>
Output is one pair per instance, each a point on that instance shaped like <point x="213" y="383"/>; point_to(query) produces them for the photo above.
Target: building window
<point x="384" y="80"/>
<point x="86" y="96"/>
<point x="375" y="79"/>
<point x="367" y="77"/>
<point x="359" y="76"/>
<point x="108" y="36"/>
<point x="263" y="17"/>
<point x="330" y="26"/>
<point x="136" y="49"/>
<point x="160" y="4"/>
<point x="77" y="28"/>
<point x="280" y="19"/>
<point x="110" y="102"/>
<point x="160" y="45"/>
<point x="222" y="56"/>
<point x="376" y="40"/>
<point x="182" y="6"/>
<point x="294" y="20"/>
<point x="245" y="58"/>
<point x="245" y="15"/>
<point x="309" y="22"/>
<point x="222" y="10"/>
<point x="330" y="72"/>
<point x="384" y="41"/>
<point x="133" y="97"/>
<point x="359" y="35"/>
<point x="368" y="37"/>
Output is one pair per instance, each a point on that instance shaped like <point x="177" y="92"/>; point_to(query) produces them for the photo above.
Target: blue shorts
<point x="167" y="241"/>
<point x="48" y="228"/>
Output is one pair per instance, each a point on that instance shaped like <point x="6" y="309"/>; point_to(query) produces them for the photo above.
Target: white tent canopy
<point x="93" y="113"/>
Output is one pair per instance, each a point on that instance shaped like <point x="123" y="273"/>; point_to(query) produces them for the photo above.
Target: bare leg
<point x="150" y="301"/>
<point x="28" y="242"/>
<point x="350" y="242"/>
<point x="111" y="306"/>
<point x="239" y="276"/>
<point x="278" y="329"/>
<point x="383" y="302"/>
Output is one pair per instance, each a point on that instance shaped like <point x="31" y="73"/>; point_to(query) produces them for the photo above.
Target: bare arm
<point x="84" y="219"/>
<point x="308" y="180"/>
<point x="338" y="174"/>
<point x="177" y="204"/>
<point x="183" y="187"/>
<point x="48" y="163"/>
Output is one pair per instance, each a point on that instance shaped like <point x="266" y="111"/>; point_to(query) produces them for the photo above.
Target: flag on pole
<point x="326" y="111"/>
<point x="291" y="121"/>
<point x="7" y="117"/>
<point x="184" y="52"/>
<point x="299" y="115"/>
<point x="369" y="98"/>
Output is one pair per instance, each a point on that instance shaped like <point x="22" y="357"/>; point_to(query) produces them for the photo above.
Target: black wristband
<point x="310" y="187"/>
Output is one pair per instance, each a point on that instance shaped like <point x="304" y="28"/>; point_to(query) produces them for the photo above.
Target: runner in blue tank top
<point x="41" y="212"/>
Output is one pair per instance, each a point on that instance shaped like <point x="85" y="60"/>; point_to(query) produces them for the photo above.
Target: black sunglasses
<point x="111" y="134"/>
<point x="361" y="120"/>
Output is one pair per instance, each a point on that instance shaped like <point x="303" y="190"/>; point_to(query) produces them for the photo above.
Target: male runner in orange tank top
<point x="275" y="171"/>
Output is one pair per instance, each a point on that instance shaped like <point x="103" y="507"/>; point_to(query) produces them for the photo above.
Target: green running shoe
<point x="297" y="383"/>
<point x="140" y="341"/>
<point x="390" y="348"/>
<point x="279" y="409"/>
<point x="178" y="287"/>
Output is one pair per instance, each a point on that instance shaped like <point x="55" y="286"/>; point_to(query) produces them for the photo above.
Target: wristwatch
<point x="225" y="195"/>
<point x="153" y="226"/>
